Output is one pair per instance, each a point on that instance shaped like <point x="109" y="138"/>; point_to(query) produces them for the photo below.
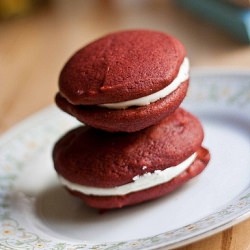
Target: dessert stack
<point x="136" y="142"/>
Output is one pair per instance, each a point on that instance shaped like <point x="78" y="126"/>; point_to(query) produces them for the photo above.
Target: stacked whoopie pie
<point x="137" y="144"/>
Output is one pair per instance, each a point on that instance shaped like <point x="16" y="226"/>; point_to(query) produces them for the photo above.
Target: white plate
<point x="36" y="213"/>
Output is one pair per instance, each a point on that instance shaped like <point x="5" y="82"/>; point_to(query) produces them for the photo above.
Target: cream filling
<point x="182" y="76"/>
<point x="142" y="182"/>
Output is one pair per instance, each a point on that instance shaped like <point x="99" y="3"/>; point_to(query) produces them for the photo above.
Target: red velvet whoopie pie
<point x="125" y="81"/>
<point x="113" y="170"/>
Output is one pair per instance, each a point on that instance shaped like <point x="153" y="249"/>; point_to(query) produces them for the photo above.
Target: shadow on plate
<point x="55" y="204"/>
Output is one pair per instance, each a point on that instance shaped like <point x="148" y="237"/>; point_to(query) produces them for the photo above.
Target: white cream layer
<point x="182" y="76"/>
<point x="142" y="182"/>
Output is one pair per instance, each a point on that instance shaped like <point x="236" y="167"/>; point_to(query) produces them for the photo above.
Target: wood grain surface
<point x="33" y="49"/>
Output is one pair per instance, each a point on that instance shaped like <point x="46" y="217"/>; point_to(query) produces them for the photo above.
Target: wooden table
<point x="34" y="48"/>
